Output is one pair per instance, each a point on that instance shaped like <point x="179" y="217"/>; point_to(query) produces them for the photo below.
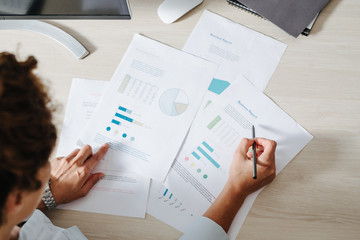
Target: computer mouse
<point x="171" y="10"/>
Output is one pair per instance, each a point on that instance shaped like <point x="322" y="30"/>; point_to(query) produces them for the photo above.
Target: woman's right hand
<point x="240" y="173"/>
<point x="240" y="181"/>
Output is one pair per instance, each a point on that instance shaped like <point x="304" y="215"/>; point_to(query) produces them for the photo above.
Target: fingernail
<point x="102" y="176"/>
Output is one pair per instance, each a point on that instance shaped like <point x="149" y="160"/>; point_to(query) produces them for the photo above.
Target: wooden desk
<point x="317" y="196"/>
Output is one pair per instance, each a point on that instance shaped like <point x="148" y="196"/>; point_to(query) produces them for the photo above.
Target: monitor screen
<point x="71" y="9"/>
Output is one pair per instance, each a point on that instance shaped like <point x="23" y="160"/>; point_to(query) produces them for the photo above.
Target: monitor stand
<point x="50" y="31"/>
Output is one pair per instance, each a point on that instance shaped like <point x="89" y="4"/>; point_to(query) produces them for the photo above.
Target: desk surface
<point x="317" y="196"/>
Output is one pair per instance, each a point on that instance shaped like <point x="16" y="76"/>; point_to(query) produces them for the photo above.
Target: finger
<point x="72" y="154"/>
<point x="244" y="145"/>
<point x="83" y="154"/>
<point x="269" y="148"/>
<point x="94" y="160"/>
<point x="90" y="182"/>
<point x="259" y="151"/>
<point x="259" y="148"/>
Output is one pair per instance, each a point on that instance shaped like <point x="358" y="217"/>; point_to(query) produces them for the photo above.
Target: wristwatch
<point x="48" y="198"/>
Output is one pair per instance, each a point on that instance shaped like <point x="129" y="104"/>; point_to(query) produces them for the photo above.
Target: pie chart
<point x="173" y="102"/>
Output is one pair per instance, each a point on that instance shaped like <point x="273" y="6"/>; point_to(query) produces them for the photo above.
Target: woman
<point x="27" y="138"/>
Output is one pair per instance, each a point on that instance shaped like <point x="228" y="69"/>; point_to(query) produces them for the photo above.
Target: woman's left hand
<point x="71" y="177"/>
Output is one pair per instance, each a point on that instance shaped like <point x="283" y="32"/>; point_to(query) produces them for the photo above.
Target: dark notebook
<point x="293" y="16"/>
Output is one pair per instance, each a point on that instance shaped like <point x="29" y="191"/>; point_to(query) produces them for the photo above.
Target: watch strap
<point x="48" y="198"/>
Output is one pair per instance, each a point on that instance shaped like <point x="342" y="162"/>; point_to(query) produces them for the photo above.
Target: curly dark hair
<point x="27" y="134"/>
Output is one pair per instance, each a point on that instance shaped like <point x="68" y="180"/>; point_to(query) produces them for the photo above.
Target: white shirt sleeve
<point x="39" y="227"/>
<point x="205" y="229"/>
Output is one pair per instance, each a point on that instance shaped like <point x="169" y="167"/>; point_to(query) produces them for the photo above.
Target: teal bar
<point x="122" y="109"/>
<point x="208" y="146"/>
<point x="125" y="110"/>
<point x="124" y="117"/>
<point x="208" y="157"/>
<point x="115" y="122"/>
<point x="195" y="155"/>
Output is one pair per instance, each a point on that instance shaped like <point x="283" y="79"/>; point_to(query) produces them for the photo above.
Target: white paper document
<point x="147" y="110"/>
<point x="168" y="207"/>
<point x="238" y="49"/>
<point x="120" y="192"/>
<point x="83" y="98"/>
<point x="201" y="168"/>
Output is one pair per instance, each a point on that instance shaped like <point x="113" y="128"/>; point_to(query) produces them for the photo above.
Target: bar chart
<point x="205" y="151"/>
<point x="202" y="158"/>
<point x="168" y="198"/>
<point x="123" y="116"/>
<point x="165" y="205"/>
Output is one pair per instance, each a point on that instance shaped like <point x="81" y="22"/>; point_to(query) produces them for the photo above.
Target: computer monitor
<point x="64" y="9"/>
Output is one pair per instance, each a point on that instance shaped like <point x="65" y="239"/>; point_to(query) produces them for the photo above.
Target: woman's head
<point x="27" y="134"/>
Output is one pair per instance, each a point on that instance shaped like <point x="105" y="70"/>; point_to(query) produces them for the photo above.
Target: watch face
<point x="65" y="9"/>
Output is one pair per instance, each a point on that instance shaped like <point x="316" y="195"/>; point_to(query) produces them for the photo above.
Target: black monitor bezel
<point x="65" y="16"/>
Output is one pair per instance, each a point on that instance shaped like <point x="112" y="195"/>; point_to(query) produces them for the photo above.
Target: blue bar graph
<point x="208" y="146"/>
<point x="124" y="117"/>
<point x="208" y="157"/>
<point x="170" y="196"/>
<point x="115" y="122"/>
<point x="165" y="192"/>
<point x="125" y="110"/>
<point x="195" y="155"/>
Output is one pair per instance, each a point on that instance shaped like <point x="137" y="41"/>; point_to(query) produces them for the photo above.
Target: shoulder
<point x="39" y="227"/>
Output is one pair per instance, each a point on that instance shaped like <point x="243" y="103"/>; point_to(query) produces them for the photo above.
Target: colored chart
<point x="142" y="91"/>
<point x="120" y="117"/>
<point x="206" y="153"/>
<point x="203" y="154"/>
<point x="173" y="102"/>
<point x="168" y="198"/>
<point x="217" y="86"/>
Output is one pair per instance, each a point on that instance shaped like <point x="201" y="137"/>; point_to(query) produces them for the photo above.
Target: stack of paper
<point x="177" y="118"/>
